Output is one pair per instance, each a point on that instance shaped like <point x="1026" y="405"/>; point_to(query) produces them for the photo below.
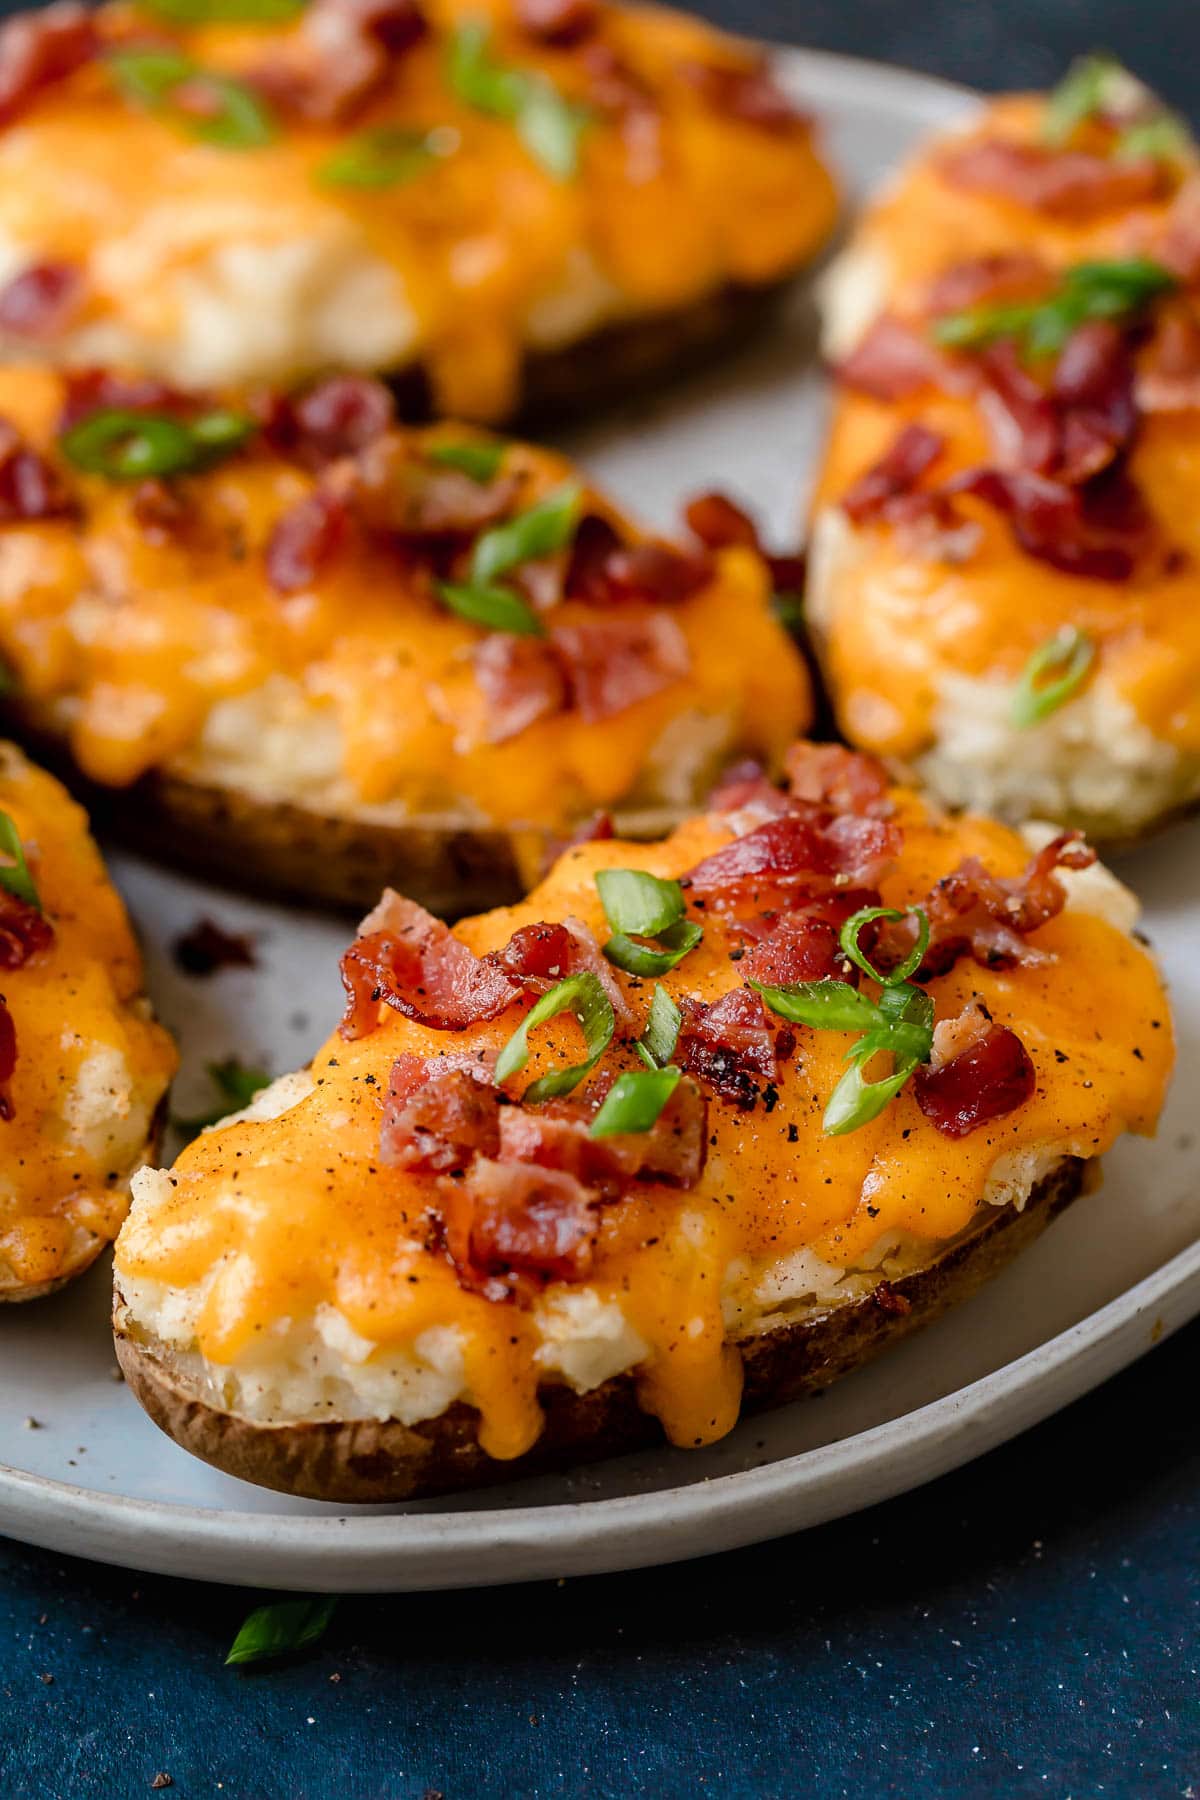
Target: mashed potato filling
<point x="285" y="1269"/>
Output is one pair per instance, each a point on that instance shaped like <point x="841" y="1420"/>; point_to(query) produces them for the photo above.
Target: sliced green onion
<point x="549" y="125"/>
<point x="129" y="446"/>
<point x="1163" y="139"/>
<point x="236" y="1084"/>
<point x="278" y="1629"/>
<point x="848" y="939"/>
<point x="1092" y="290"/>
<point x="496" y="607"/>
<point x="1083" y="91"/>
<point x="480" y="461"/>
<point x="1052" y="675"/>
<point x="225" y="12"/>
<point x="669" y="949"/>
<point x="637" y="901"/>
<point x="855" y="1100"/>
<point x="635" y="1101"/>
<point x="386" y="156"/>
<point x="656" y="1046"/>
<point x="827" y="1005"/>
<point x="14" y="869"/>
<point x="789" y="610"/>
<point x="906" y="1015"/>
<point x="584" y="996"/>
<point x="540" y="531"/>
<point x="238" y="120"/>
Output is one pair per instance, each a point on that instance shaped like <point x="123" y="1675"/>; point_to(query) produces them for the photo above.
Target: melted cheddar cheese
<point x="357" y="692"/>
<point x="91" y="1065"/>
<point x="266" y="1226"/>
<point x="215" y="263"/>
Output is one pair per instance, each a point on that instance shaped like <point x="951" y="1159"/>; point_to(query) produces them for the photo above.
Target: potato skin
<point x="364" y="1460"/>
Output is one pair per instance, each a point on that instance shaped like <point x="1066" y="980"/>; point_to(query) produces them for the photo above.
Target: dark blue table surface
<point x="1027" y="1626"/>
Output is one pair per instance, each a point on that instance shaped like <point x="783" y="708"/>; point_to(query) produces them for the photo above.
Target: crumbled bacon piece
<point x="397" y="490"/>
<point x="94" y="390"/>
<point x="436" y="1119"/>
<point x="159" y="509"/>
<point x="801" y="947"/>
<point x="719" y="523"/>
<point x="972" y="912"/>
<point x="24" y="931"/>
<point x="512" y="1228"/>
<point x="894" y="360"/>
<point x="335" y="417"/>
<point x="42" y="300"/>
<point x="987" y="1075"/>
<point x="748" y="93"/>
<point x="586" y="955"/>
<point x="803" y="853"/>
<point x="1006" y="276"/>
<point x="1168" y="378"/>
<point x="207" y="947"/>
<point x="1179" y="250"/>
<point x="539" y="953"/>
<point x="305" y="540"/>
<point x="405" y="958"/>
<point x="1069" y="184"/>
<point x="746" y="784"/>
<point x="1097" y="532"/>
<point x="615" y="87"/>
<point x="557" y="1135"/>
<point x="604" y="571"/>
<point x="558" y="22"/>
<point x="340" y="59"/>
<point x="520" y="679"/>
<point x="731" y="1041"/>
<point x="616" y="657"/>
<point x="29" y="487"/>
<point x="1020" y="414"/>
<point x="8" y="1061"/>
<point x="38" y="48"/>
<point x="894" y="476"/>
<point x="849" y="781"/>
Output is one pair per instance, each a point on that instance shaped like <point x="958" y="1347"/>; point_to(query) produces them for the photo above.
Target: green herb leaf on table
<point x="15" y="877"/>
<point x="583" y="996"/>
<point x="635" y="1101"/>
<point x="281" y="1628"/>
<point x="236" y="1084"/>
<point x="1092" y="290"/>
<point x="1054" y="673"/>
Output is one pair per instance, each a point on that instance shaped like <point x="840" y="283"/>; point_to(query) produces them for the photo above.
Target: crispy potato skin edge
<point x="364" y="1460"/>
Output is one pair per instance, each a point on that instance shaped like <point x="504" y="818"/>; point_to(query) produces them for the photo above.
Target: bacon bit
<point x="38" y="48"/>
<point x="8" y="1061"/>
<point x="1169" y="377"/>
<point x="397" y="491"/>
<point x="24" y="931"/>
<point x="719" y="523"/>
<point x="1020" y="414"/>
<point x="558" y="22"/>
<point x="894" y="476"/>
<point x="1093" y="388"/>
<point x="208" y="947"/>
<point x="748" y="93"/>
<point x="849" y="781"/>
<point x="158" y="509"/>
<point x="556" y="1136"/>
<point x="615" y="87"/>
<point x="987" y="1075"/>
<point x="894" y="360"/>
<point x="42" y="300"/>
<point x="30" y="489"/>
<point x="604" y="571"/>
<point x="975" y="913"/>
<point x="615" y="658"/>
<point x="727" y="1042"/>
<point x="1006" y="276"/>
<point x="1097" y="532"/>
<point x="587" y="955"/>
<point x="538" y="955"/>
<point x="304" y="541"/>
<point x="436" y="1119"/>
<point x="94" y="390"/>
<point x="405" y="958"/>
<point x="801" y="947"/>
<point x="521" y="681"/>
<point x="1180" y="247"/>
<point x="512" y="1228"/>
<point x="340" y="59"/>
<point x="1070" y="184"/>
<point x="890" y="1300"/>
<point x="802" y="854"/>
<point x="746" y="785"/>
<point x="336" y="417"/>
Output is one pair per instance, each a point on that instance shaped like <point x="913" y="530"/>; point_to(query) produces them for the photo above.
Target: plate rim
<point x="431" y="1550"/>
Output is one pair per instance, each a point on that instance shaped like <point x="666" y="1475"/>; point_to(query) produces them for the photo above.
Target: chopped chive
<point x="901" y="1022"/>
<point x="584" y="996"/>
<point x="667" y="951"/>
<point x="849" y="934"/>
<point x="236" y="118"/>
<point x="383" y="157"/>
<point x="499" y="608"/>
<point x="635" y="1101"/>
<point x="482" y="462"/>
<point x="225" y="12"/>
<point x="1040" y="690"/>
<point x="15" y="877"/>
<point x="1083" y="91"/>
<point x="130" y="446"/>
<point x="549" y="125"/>
<point x="1093" y="290"/>
<point x="540" y="531"/>
<point x="636" y="901"/>
<point x="656" y="1046"/>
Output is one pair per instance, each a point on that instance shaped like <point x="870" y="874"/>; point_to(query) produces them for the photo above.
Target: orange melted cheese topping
<point x="271" y="1220"/>
<point x="659" y="216"/>
<point x="896" y="624"/>
<point x="133" y="637"/>
<point x="91" y="1065"/>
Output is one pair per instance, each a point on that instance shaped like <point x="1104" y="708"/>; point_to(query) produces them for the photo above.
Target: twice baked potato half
<point x="1004" y="579"/>
<point x="83" y="1066"/>
<point x="460" y="190"/>
<point x="316" y="653"/>
<point x="700" y="1124"/>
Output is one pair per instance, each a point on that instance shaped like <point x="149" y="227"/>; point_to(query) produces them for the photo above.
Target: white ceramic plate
<point x="94" y="1477"/>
